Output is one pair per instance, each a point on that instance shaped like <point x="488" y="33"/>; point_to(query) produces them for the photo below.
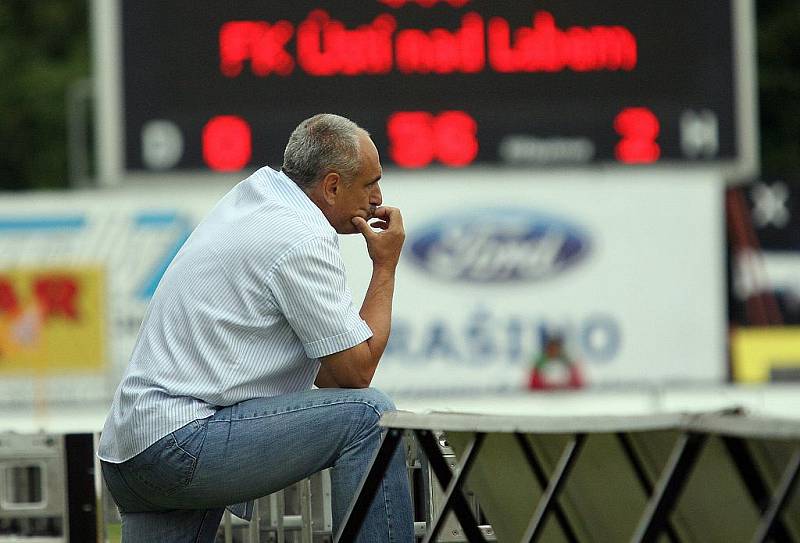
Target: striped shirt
<point x="251" y="301"/>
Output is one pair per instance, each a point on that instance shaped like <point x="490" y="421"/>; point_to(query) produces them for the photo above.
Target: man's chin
<point x="348" y="228"/>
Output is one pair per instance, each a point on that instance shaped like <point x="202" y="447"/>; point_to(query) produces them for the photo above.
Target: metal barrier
<point x="47" y="495"/>
<point x="313" y="495"/>
<point x="47" y="488"/>
<point x="302" y="510"/>
<point x="711" y="477"/>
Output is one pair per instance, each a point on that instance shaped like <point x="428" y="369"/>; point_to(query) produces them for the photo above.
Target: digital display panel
<point x="211" y="85"/>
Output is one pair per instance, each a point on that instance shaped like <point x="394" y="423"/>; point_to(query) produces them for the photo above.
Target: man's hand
<point x="384" y="246"/>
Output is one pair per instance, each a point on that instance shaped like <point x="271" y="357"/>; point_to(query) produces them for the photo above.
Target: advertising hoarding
<point x="627" y="273"/>
<point x="52" y="321"/>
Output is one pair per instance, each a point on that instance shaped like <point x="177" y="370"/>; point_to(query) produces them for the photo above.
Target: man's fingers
<point x="362" y="226"/>
<point x="390" y="215"/>
<point x="384" y="212"/>
<point x="382" y="225"/>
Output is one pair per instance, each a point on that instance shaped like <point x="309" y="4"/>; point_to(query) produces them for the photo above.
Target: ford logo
<point x="498" y="245"/>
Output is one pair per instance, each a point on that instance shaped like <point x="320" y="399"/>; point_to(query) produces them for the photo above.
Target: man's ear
<point x="330" y="185"/>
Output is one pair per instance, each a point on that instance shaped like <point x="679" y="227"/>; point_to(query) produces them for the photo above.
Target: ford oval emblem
<point x="498" y="245"/>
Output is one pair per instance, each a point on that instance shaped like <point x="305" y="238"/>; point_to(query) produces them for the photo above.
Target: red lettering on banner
<point x="260" y="42"/>
<point x="57" y="296"/>
<point x="417" y="138"/>
<point x="424" y="3"/>
<point x="639" y="128"/>
<point x="227" y="143"/>
<point x="442" y="51"/>
<point x="545" y="48"/>
<point x="8" y="299"/>
<point x="326" y="47"/>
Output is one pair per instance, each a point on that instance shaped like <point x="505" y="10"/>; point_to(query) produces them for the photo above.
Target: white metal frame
<point x="106" y="34"/>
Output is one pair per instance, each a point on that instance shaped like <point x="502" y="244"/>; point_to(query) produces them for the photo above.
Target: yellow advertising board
<point x="763" y="354"/>
<point x="52" y="320"/>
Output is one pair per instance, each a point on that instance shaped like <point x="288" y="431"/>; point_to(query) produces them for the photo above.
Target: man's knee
<point x="377" y="399"/>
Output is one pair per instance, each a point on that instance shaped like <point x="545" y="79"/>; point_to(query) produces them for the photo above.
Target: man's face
<point x="362" y="195"/>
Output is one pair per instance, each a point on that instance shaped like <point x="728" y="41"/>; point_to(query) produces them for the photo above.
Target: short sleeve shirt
<point x="253" y="299"/>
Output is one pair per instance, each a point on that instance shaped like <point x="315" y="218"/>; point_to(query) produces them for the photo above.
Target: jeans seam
<point x="359" y="442"/>
<point x="295" y="410"/>
<point x="184" y="450"/>
<point x="387" y="508"/>
<point x="366" y="437"/>
<point x="202" y="523"/>
<point x="199" y="450"/>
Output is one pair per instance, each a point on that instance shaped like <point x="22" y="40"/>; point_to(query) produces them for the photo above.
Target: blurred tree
<point x="44" y="46"/>
<point x="779" y="86"/>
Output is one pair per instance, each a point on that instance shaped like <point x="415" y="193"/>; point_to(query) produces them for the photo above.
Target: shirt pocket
<point x="169" y="464"/>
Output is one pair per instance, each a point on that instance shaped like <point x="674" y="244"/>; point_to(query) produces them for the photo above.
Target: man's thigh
<point x="260" y="446"/>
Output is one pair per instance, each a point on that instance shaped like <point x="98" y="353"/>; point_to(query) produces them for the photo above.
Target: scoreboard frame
<point x="107" y="35"/>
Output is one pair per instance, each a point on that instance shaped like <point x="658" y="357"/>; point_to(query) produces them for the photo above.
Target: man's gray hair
<point x="322" y="144"/>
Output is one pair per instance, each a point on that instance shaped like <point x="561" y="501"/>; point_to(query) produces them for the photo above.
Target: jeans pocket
<point x="169" y="464"/>
<point x="126" y="499"/>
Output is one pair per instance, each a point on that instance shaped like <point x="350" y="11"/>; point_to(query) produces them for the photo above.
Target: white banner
<point x="131" y="235"/>
<point x="627" y="270"/>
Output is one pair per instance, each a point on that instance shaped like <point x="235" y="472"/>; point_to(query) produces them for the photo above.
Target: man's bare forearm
<point x="355" y="367"/>
<point x="377" y="311"/>
<point x="325" y="379"/>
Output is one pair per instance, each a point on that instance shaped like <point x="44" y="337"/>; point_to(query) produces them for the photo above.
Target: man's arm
<point x="325" y="379"/>
<point x="354" y="367"/>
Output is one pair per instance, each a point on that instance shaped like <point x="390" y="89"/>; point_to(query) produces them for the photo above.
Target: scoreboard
<point x="218" y="86"/>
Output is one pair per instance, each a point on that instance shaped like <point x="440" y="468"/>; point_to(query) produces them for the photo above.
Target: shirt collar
<point x="304" y="202"/>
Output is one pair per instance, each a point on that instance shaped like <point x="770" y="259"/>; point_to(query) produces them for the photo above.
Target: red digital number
<point x="227" y="143"/>
<point x="411" y="142"/>
<point x="456" y="138"/>
<point x="417" y="138"/>
<point x="639" y="128"/>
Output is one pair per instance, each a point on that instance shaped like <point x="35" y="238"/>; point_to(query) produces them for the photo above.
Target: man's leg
<point x="390" y="517"/>
<point x="143" y="523"/>
<point x="260" y="446"/>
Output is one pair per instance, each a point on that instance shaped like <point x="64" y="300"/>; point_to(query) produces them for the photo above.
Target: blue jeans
<point x="177" y="489"/>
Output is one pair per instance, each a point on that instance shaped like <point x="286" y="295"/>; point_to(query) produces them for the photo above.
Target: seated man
<point x="216" y="407"/>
